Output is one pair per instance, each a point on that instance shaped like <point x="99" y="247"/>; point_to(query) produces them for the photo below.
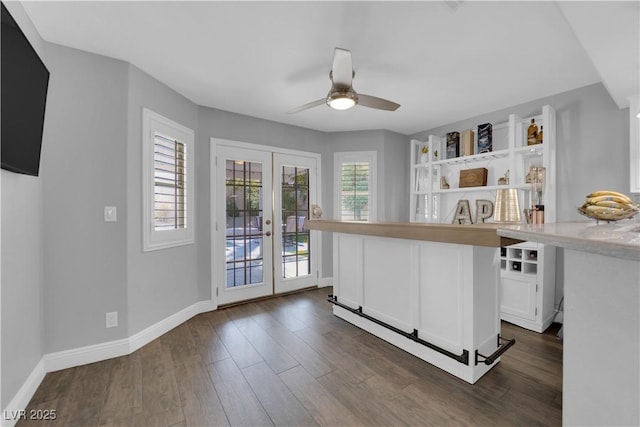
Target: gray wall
<point x="395" y="176"/>
<point x="22" y="290"/>
<point x="21" y="322"/>
<point x="161" y="282"/>
<point x="83" y="170"/>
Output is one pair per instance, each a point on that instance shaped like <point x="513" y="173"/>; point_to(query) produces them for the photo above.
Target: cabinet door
<point x="518" y="297"/>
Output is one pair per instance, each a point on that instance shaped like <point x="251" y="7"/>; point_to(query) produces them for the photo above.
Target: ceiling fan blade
<point x="342" y="70"/>
<point x="378" y="103"/>
<point x="308" y="105"/>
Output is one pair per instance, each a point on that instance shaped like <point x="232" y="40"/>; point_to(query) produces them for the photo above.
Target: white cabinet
<point x="527" y="288"/>
<point x="527" y="294"/>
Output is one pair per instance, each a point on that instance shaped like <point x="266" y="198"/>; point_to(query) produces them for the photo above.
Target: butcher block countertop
<point x="475" y="234"/>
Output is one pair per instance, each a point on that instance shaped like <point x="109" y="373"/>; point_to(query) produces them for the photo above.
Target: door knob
<point x="268" y="222"/>
<point x="268" y="233"/>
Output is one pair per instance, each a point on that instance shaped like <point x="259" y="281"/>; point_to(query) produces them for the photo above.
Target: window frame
<point x="341" y="158"/>
<point x="152" y="124"/>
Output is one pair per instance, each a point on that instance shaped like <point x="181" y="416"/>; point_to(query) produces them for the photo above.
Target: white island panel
<point x="446" y="293"/>
<point x="387" y="278"/>
<point x="347" y="260"/>
<point x="441" y="319"/>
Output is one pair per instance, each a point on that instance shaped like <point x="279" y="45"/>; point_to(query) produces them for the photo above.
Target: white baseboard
<point x="95" y="353"/>
<point x="11" y="414"/>
<point x="325" y="281"/>
<point x="84" y="355"/>
<point x="149" y="334"/>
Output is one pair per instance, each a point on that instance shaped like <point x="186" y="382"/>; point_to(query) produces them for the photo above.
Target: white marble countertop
<point x="620" y="240"/>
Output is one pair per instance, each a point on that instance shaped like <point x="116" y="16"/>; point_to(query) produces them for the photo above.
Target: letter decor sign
<point x="484" y="210"/>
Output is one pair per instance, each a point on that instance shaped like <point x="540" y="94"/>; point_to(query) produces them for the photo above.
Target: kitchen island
<point x="601" y="349"/>
<point x="429" y="289"/>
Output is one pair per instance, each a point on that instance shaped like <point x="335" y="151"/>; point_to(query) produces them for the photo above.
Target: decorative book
<point x="453" y="145"/>
<point x="466" y="145"/>
<point x="485" y="138"/>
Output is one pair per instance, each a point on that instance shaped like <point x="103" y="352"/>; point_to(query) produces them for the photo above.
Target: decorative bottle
<point x="532" y="133"/>
<point x="539" y="137"/>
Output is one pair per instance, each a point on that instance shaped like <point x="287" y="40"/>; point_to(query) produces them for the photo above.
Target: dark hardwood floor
<point x="288" y="361"/>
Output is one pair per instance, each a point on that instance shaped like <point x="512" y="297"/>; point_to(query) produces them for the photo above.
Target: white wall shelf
<point x="473" y="158"/>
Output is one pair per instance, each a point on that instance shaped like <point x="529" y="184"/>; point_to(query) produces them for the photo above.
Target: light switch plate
<point x="110" y="214"/>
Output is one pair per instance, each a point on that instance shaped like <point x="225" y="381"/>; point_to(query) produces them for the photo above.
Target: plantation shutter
<point x="170" y="183"/>
<point x="354" y="192"/>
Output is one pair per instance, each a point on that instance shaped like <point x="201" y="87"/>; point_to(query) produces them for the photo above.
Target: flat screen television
<point x="25" y="80"/>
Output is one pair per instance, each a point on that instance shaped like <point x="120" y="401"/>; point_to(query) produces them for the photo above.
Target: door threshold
<point x="267" y="297"/>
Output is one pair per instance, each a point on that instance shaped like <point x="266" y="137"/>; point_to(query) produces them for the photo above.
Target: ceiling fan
<point x="342" y="96"/>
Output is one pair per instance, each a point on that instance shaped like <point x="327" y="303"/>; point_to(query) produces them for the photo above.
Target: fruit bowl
<point x="605" y="205"/>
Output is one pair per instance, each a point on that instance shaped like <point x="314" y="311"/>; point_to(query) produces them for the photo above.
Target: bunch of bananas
<point x="605" y="205"/>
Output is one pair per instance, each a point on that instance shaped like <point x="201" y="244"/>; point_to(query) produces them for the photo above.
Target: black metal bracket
<point x="413" y="336"/>
<point x="503" y="345"/>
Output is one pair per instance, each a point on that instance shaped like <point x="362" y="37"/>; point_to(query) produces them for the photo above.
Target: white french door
<point x="243" y="225"/>
<point x="294" y="189"/>
<point x="261" y="200"/>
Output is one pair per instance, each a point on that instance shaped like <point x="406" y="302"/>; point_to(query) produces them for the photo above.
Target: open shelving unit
<point x="431" y="203"/>
<point x="527" y="284"/>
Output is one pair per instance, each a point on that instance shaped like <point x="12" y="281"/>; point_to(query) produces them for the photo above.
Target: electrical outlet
<point x="111" y="319"/>
<point x="110" y="214"/>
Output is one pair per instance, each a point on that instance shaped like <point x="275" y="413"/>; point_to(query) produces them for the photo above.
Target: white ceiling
<point x="443" y="61"/>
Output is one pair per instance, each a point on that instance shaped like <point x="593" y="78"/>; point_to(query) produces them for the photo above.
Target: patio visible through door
<point x="262" y="200"/>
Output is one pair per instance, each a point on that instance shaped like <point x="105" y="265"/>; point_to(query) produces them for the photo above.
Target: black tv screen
<point x="24" y="93"/>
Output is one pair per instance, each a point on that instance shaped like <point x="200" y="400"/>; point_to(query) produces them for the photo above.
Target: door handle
<point x="268" y="233"/>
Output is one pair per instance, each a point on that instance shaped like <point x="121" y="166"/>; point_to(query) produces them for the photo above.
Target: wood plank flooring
<point x="288" y="361"/>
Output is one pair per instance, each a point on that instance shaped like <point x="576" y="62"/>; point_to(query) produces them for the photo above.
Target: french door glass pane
<point x="295" y="211"/>
<point x="244" y="239"/>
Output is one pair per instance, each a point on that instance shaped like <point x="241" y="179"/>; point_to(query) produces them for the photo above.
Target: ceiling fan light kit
<point x="342" y="96"/>
<point x="342" y="99"/>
